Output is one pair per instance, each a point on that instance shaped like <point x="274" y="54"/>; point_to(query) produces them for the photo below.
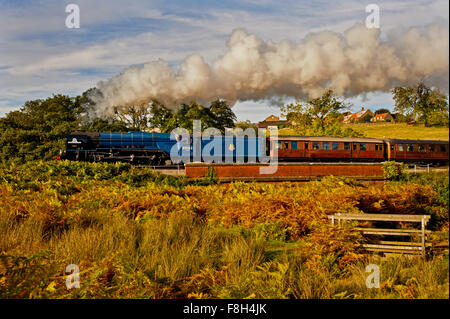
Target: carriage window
<point x="285" y="145"/>
<point x="326" y="146"/>
<point x="400" y="147"/>
<point x="294" y="145"/>
<point x="347" y="146"/>
<point x="335" y="146"/>
<point x="315" y="146"/>
<point x="354" y="146"/>
<point x="306" y="145"/>
<point x="443" y="148"/>
<point x="409" y="147"/>
<point x="432" y="148"/>
<point x="362" y="147"/>
<point x="421" y="148"/>
<point x="392" y="147"/>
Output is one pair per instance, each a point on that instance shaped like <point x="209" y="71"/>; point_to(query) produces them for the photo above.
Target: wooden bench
<point x="390" y="246"/>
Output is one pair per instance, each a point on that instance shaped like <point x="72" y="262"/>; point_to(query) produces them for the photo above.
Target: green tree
<point x="89" y="122"/>
<point x="38" y="130"/>
<point x="222" y="114"/>
<point x="136" y="117"/>
<point x="104" y="125"/>
<point x="420" y="102"/>
<point x="245" y="125"/>
<point x="218" y="115"/>
<point x="438" y="118"/>
<point x="318" y="117"/>
<point x="160" y="117"/>
<point x="381" y="111"/>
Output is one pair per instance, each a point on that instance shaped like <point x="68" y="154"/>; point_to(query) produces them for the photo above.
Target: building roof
<point x="357" y="115"/>
<point x="272" y="118"/>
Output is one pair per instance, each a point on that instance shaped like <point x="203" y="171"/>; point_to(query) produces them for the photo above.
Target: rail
<point x="390" y="246"/>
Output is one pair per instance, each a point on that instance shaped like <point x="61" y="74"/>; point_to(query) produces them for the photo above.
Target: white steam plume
<point x="351" y="64"/>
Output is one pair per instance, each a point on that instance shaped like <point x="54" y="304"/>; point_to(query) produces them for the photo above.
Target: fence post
<point x="423" y="236"/>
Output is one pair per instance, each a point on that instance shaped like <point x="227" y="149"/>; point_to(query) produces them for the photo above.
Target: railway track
<point x="162" y="167"/>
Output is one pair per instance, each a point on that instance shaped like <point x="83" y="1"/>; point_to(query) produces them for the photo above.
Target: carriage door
<point x="355" y="150"/>
<point x="286" y="149"/>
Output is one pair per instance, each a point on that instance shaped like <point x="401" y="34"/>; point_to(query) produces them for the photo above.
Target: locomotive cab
<point x="78" y="144"/>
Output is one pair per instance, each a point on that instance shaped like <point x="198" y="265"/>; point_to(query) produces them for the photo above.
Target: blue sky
<point x="39" y="56"/>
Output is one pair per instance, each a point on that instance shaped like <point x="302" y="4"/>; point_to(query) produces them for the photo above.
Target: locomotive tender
<point x="155" y="148"/>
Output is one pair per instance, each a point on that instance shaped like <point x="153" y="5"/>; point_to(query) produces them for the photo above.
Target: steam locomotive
<point x="158" y="149"/>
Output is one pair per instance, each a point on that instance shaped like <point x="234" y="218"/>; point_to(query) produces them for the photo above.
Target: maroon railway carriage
<point x="322" y="148"/>
<point x="417" y="151"/>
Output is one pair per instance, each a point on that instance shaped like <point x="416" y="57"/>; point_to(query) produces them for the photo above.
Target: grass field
<point x="397" y="130"/>
<point x="136" y="234"/>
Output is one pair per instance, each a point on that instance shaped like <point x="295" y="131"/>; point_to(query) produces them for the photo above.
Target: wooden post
<point x="332" y="220"/>
<point x="423" y="236"/>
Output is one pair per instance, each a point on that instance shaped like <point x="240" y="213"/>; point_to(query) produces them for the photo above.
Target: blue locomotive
<point x="157" y="149"/>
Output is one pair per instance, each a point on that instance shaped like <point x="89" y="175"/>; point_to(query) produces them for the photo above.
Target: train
<point x="158" y="149"/>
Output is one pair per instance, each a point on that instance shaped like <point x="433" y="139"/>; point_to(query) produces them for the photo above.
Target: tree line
<point x="323" y="116"/>
<point x="39" y="128"/>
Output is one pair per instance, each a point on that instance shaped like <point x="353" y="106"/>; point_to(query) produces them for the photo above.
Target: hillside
<point x="397" y="130"/>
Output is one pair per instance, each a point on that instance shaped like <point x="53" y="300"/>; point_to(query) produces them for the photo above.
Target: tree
<point x="38" y="130"/>
<point x="381" y="111"/>
<point x="437" y="118"/>
<point x="420" y="102"/>
<point x="245" y="125"/>
<point x="218" y="115"/>
<point x="160" y="116"/>
<point x="318" y="117"/>
<point x="136" y="117"/>
<point x="322" y="110"/>
<point x="222" y="114"/>
<point x="104" y="125"/>
<point x="89" y="122"/>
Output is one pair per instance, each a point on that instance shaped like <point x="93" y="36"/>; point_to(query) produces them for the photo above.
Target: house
<point x="272" y="121"/>
<point x="382" y="117"/>
<point x="355" y="117"/>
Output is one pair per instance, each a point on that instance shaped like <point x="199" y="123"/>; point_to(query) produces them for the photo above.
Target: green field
<point x="398" y="130"/>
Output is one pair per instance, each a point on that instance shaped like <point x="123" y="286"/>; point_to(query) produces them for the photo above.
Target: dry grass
<point x="221" y="241"/>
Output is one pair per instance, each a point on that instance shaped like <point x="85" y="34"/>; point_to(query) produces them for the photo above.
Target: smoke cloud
<point x="356" y="62"/>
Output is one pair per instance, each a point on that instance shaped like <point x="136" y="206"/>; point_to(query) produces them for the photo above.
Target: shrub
<point x="395" y="171"/>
